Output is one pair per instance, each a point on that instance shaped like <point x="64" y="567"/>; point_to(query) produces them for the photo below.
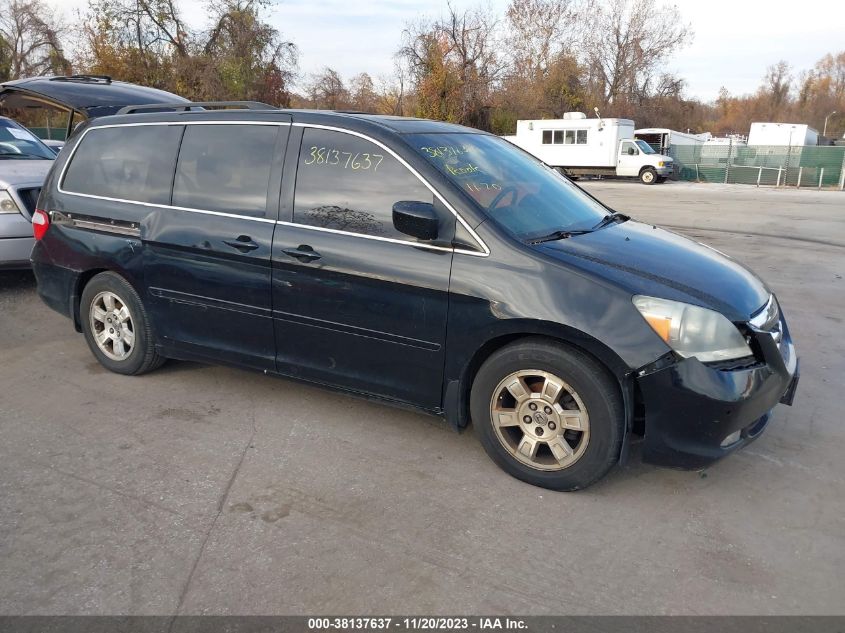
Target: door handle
<point x="243" y="243"/>
<point x="303" y="253"/>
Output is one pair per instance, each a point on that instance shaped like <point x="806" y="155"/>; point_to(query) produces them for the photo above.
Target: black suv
<point x="418" y="262"/>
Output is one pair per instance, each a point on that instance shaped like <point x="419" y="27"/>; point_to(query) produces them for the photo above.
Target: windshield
<point x="645" y="147"/>
<point x="510" y="186"/>
<point x="18" y="143"/>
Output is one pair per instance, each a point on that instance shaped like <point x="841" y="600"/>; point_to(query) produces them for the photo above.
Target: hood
<point x="16" y="173"/>
<point x="652" y="261"/>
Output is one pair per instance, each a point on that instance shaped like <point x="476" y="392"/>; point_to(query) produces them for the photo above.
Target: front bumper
<point x="666" y="170"/>
<point x="14" y="252"/>
<point x="691" y="408"/>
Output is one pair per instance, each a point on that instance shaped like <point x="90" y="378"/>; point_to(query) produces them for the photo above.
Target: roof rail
<point x="186" y="105"/>
<point x="91" y="78"/>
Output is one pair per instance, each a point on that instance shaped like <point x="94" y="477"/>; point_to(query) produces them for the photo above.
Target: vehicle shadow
<point x="12" y="280"/>
<point x="175" y="366"/>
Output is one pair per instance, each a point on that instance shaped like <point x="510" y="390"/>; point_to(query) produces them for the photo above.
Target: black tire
<point x="597" y="389"/>
<point x="141" y="356"/>
<point x="648" y="176"/>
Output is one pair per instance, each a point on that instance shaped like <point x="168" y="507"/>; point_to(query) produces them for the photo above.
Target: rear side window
<point x="348" y="183"/>
<point x="128" y="163"/>
<point x="225" y="168"/>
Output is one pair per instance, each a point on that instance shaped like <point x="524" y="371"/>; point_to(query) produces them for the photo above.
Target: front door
<point x="357" y="304"/>
<point x="629" y="159"/>
<point x="207" y="256"/>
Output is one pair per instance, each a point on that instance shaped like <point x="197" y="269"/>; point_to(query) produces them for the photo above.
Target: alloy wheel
<point x="112" y="326"/>
<point x="540" y="420"/>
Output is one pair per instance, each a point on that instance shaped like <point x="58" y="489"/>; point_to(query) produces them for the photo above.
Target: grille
<point x="30" y="198"/>
<point x="735" y="364"/>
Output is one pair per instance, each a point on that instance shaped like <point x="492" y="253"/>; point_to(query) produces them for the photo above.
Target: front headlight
<point x="693" y="331"/>
<point x="7" y="203"/>
<point x="661" y="164"/>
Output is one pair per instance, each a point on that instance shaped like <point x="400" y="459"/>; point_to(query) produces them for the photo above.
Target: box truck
<point x="662" y="139"/>
<point x="794" y="134"/>
<point x="579" y="146"/>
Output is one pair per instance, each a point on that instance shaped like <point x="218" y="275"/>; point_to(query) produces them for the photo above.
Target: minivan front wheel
<point x="116" y="326"/>
<point x="548" y="414"/>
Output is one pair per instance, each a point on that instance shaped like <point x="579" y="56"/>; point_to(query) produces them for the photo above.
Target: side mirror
<point x="631" y="151"/>
<point x="417" y="219"/>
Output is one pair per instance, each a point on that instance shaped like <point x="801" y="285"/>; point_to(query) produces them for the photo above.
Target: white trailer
<point x="662" y="139"/>
<point x="583" y="147"/>
<point x="794" y="134"/>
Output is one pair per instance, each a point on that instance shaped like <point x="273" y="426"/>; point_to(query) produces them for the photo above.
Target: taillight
<point x="40" y="223"/>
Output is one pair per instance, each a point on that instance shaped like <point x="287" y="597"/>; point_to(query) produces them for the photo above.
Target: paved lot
<point x="201" y="489"/>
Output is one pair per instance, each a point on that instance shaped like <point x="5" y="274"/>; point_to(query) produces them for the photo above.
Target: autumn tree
<point x="454" y="63"/>
<point x="249" y="60"/>
<point x="239" y="56"/>
<point x="822" y="92"/>
<point x="544" y="78"/>
<point x="30" y="40"/>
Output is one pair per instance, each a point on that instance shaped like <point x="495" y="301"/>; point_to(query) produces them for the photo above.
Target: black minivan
<point x="417" y="262"/>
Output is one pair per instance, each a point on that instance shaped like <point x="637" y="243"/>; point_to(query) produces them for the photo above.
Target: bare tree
<point x="628" y="42"/>
<point x="362" y="91"/>
<point x="776" y="86"/>
<point x="544" y="77"/>
<point x="392" y="90"/>
<point x="538" y="31"/>
<point x="454" y="63"/>
<point x="30" y="40"/>
<point x="327" y="91"/>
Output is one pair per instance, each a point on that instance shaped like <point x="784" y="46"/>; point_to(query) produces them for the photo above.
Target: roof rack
<point x="89" y="78"/>
<point x="187" y="105"/>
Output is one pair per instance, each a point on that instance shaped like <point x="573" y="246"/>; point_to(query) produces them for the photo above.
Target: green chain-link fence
<point x="761" y="165"/>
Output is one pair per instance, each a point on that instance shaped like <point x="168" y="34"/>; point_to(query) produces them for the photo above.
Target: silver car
<point x="24" y="163"/>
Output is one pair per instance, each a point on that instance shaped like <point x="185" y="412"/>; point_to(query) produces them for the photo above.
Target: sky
<point x="734" y="40"/>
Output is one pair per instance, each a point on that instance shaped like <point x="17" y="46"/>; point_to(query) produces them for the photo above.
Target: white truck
<point x="579" y="146"/>
<point x="662" y="139"/>
<point x="794" y="134"/>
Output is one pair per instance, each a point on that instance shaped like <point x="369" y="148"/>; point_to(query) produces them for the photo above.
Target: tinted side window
<point x="225" y="168"/>
<point x="130" y="163"/>
<point x="348" y="183"/>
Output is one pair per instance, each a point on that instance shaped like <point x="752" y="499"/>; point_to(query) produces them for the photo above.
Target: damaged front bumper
<point x="696" y="413"/>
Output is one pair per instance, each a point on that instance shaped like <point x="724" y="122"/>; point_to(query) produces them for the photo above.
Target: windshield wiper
<point x="557" y="235"/>
<point x="610" y="219"/>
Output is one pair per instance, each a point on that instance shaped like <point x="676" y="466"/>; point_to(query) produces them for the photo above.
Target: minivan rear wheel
<point x="116" y="326"/>
<point x="548" y="414"/>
